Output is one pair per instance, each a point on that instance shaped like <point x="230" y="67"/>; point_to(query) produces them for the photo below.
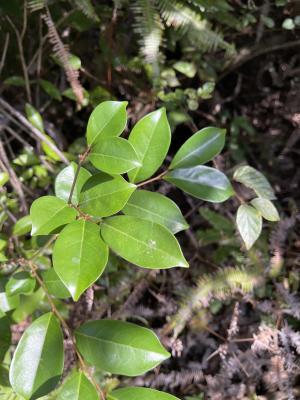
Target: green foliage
<point x="76" y="387"/>
<point x="135" y="393"/>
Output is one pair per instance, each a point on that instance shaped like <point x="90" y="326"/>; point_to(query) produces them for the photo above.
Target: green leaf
<point x="39" y="358"/>
<point x="202" y="147"/>
<point x="202" y="182"/>
<point x="48" y="151"/>
<point x="105" y="195"/>
<point x="139" y="393"/>
<point x="107" y="120"/>
<point x="28" y="304"/>
<point x="249" y="223"/>
<point x="54" y="285"/>
<point x="77" y="387"/>
<point x="22" y="226"/>
<point x="49" y="213"/>
<point x="254" y="180"/>
<point x="114" y="155"/>
<point x="266" y="208"/>
<point x="5" y="335"/>
<point x="141" y="242"/>
<point x="34" y="117"/>
<point x="186" y="68"/>
<point x="151" y="138"/>
<point x="7" y="303"/>
<point x="156" y="208"/>
<point x="4" y="178"/>
<point x="120" y="347"/>
<point x="79" y="256"/>
<point x="50" y="89"/>
<point x="15" y="81"/>
<point x="64" y="181"/>
<point x="20" y="283"/>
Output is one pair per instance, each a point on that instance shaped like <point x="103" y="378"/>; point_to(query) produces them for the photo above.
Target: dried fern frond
<point x="36" y="5"/>
<point x="63" y="55"/>
<point x="87" y="8"/>
<point x="182" y="16"/>
<point x="149" y="27"/>
<point x="220" y="285"/>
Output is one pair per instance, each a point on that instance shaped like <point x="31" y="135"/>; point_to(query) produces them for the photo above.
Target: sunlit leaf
<point x="249" y="223"/>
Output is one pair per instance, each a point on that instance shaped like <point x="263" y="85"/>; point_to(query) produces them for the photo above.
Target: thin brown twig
<point x="82" y="159"/>
<point x="156" y="178"/>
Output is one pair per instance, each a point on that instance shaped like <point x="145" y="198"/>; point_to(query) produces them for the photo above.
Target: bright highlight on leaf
<point x="49" y="213"/>
<point x="200" y="148"/>
<point x="120" y="347"/>
<point x="202" y="182"/>
<point x="39" y="358"/>
<point x="143" y="243"/>
<point x="249" y="223"/>
<point x="266" y="208"/>
<point x="77" y="387"/>
<point x="79" y="256"/>
<point x="107" y="120"/>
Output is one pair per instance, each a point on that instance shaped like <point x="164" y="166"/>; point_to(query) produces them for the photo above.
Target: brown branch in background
<point x="6" y="167"/>
<point x="27" y="126"/>
<point x="4" y="52"/>
<point x="62" y="53"/>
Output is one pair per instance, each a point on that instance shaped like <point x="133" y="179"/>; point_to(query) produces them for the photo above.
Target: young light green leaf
<point x="4" y="178"/>
<point x="143" y="243"/>
<point x="50" y="89"/>
<point x="49" y="213"/>
<point x="34" y="117"/>
<point x="186" y="68"/>
<point x="114" y="155"/>
<point x="5" y="335"/>
<point x="200" y="148"/>
<point x="20" y="283"/>
<point x="151" y="138"/>
<point x="156" y="208"/>
<point x="64" y="181"/>
<point x="22" y="226"/>
<point x="7" y="303"/>
<point x="249" y="223"/>
<point x="120" y="347"/>
<point x="54" y="285"/>
<point x="254" y="180"/>
<point x="77" y="387"/>
<point x="140" y="393"/>
<point x="107" y="120"/>
<point x="105" y="195"/>
<point x="202" y="182"/>
<point x="39" y="358"/>
<point x="28" y="305"/>
<point x="266" y="208"/>
<point x="79" y="256"/>
<point x="48" y="151"/>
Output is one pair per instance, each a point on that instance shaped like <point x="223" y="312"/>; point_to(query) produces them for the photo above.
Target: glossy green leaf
<point x="54" y="285"/>
<point x="20" y="283"/>
<point x="249" y="223"/>
<point x="140" y="393"/>
<point x="22" y="226"/>
<point x="141" y="242"/>
<point x="49" y="213"/>
<point x="79" y="256"/>
<point x="203" y="182"/>
<point x="114" y="155"/>
<point x="7" y="303"/>
<point x="107" y="120"/>
<point x="5" y="335"/>
<point x="266" y="208"/>
<point x="119" y="347"/>
<point x="39" y="358"/>
<point x="254" y="180"/>
<point x="34" y="117"/>
<point x="105" y="195"/>
<point x="151" y="138"/>
<point x="200" y="148"/>
<point x="77" y="387"/>
<point x="4" y="178"/>
<point x="48" y="150"/>
<point x="156" y="208"/>
<point x="64" y="181"/>
<point x="50" y="89"/>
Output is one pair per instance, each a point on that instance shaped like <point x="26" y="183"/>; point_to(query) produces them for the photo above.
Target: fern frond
<point x="87" y="8"/>
<point x="220" y="285"/>
<point x="36" y="5"/>
<point x="62" y="53"/>
<point x="182" y="16"/>
<point x="149" y="27"/>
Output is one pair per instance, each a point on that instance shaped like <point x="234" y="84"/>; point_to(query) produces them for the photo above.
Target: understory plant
<point x="95" y="211"/>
